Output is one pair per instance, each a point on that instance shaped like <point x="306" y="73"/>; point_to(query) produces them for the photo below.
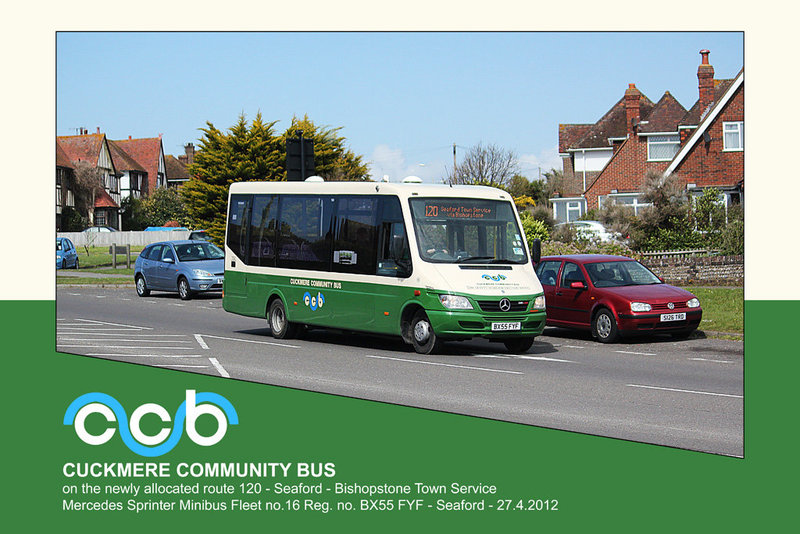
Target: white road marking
<point x="637" y="353"/>
<point x="173" y="365"/>
<point x="199" y="339"/>
<point x="117" y="339"/>
<point x="99" y="296"/>
<point x="687" y="391"/>
<point x="498" y="356"/>
<point x="124" y="299"/>
<point x="574" y="346"/>
<point x="253" y="341"/>
<point x="446" y="365"/>
<point x="115" y="324"/>
<point x="542" y="358"/>
<point x="145" y="355"/>
<point x="219" y="367"/>
<point x="59" y="345"/>
<point x="125" y="333"/>
<point x="707" y="360"/>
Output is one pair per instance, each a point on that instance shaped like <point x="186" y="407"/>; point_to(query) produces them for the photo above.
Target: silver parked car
<point x="185" y="267"/>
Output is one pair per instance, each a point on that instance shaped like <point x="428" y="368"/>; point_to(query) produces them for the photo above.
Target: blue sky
<point x="402" y="99"/>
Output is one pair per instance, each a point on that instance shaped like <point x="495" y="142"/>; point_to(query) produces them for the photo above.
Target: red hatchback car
<point x="614" y="295"/>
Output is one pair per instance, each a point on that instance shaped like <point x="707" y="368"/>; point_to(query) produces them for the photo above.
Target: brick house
<point x="92" y="150"/>
<point x="704" y="146"/>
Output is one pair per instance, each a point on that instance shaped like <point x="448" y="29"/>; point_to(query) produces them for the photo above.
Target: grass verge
<point x="80" y="281"/>
<point x="723" y="308"/>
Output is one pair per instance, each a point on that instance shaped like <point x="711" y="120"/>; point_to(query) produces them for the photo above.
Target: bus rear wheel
<point x="278" y="323"/>
<point x="423" y="338"/>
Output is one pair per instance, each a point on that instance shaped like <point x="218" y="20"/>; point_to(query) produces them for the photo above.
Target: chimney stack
<point x="98" y="129"/>
<point x="189" y="149"/>
<point x="705" y="78"/>
<point x="632" y="111"/>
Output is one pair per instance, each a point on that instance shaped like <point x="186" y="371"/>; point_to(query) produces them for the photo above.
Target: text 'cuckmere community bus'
<point x="429" y="263"/>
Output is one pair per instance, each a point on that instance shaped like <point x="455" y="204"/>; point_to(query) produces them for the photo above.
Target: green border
<point x="599" y="482"/>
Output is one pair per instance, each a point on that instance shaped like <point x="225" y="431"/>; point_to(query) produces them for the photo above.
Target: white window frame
<point x="675" y="139"/>
<point x="636" y="205"/>
<point x="738" y="129"/>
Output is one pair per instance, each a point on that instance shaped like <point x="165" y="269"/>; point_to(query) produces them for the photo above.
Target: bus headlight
<point x="455" y="302"/>
<point x="538" y="303"/>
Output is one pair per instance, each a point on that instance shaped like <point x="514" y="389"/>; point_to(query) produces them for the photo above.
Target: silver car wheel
<point x="603" y="326"/>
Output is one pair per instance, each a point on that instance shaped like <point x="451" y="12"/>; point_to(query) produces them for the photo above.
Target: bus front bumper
<point x="467" y="324"/>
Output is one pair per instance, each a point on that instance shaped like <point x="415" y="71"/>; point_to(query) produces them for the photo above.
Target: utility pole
<point x="454" y="164"/>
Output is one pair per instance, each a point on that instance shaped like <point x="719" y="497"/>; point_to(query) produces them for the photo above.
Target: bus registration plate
<point x="505" y="327"/>
<point x="673" y="317"/>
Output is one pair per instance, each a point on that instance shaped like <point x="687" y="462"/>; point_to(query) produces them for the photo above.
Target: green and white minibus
<point x="428" y="263"/>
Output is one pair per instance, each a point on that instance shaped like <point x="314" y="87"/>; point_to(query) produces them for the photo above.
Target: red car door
<point x="573" y="304"/>
<point x="547" y="272"/>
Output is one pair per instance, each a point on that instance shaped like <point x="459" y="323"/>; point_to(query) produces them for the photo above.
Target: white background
<point x="27" y="194"/>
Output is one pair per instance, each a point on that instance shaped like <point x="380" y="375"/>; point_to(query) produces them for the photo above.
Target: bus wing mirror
<point x="536" y="251"/>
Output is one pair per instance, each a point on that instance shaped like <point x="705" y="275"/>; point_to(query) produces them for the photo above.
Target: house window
<point x="100" y="218"/>
<point x="631" y="200"/>
<point x="662" y="147"/>
<point x="733" y="136"/>
<point x="574" y="211"/>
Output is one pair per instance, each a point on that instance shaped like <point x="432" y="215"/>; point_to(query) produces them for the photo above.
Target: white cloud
<point x="547" y="159"/>
<point x="391" y="162"/>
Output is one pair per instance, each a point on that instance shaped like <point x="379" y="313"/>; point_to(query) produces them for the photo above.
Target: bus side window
<point x="354" y="247"/>
<point x="262" y="230"/>
<point x="394" y="255"/>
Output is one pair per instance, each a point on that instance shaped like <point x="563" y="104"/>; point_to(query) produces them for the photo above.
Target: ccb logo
<point x="195" y="405"/>
<point x="495" y="278"/>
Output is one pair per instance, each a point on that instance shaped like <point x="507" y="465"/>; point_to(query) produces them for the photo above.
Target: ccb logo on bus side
<point x="495" y="278"/>
<point x="195" y="405"/>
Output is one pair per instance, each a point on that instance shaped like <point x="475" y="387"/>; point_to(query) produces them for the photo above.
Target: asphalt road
<point x="686" y="394"/>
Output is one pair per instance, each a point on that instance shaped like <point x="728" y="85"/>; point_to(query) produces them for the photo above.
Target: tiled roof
<point x="104" y="200"/>
<point x="122" y="160"/>
<point x="146" y="152"/>
<point x="695" y="115"/>
<point x="175" y="169"/>
<point x="62" y="160"/>
<point x="612" y="124"/>
<point x="665" y="115"/>
<point x="82" y="148"/>
<point x="568" y="134"/>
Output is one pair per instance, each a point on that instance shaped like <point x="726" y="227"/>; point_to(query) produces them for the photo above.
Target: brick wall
<point x="706" y="164"/>
<point x="703" y="270"/>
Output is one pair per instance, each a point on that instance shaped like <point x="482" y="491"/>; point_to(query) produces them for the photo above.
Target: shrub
<point x="71" y="220"/>
<point x="533" y="228"/>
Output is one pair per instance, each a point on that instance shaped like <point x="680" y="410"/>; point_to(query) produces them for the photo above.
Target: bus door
<point x="237" y="240"/>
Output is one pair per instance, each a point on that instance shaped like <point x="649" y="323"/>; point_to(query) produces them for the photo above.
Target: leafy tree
<point x="242" y="154"/>
<point x="71" y="220"/>
<point x="163" y="206"/>
<point x="133" y="216"/>
<point x="332" y="160"/>
<point x="533" y="229"/>
<point x="664" y="224"/>
<point x="87" y="184"/>
<point x="731" y="239"/>
<point x="708" y="213"/>
<point x="554" y="183"/>
<point x="485" y="165"/>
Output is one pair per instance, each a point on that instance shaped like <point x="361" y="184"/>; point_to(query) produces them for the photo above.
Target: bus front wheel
<point x="423" y="337"/>
<point x="278" y="323"/>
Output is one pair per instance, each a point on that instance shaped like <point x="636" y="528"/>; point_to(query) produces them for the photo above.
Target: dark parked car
<point x="185" y="267"/>
<point x="613" y="295"/>
<point x="66" y="255"/>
